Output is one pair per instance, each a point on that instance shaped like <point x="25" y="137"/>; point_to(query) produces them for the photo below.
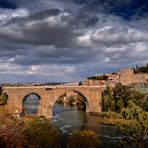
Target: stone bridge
<point x="49" y="96"/>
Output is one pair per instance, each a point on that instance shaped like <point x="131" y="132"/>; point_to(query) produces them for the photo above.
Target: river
<point x="67" y="119"/>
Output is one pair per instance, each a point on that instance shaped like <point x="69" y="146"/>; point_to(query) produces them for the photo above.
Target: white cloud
<point x="46" y="70"/>
<point x="50" y="70"/>
<point x="118" y="35"/>
<point x="7" y="15"/>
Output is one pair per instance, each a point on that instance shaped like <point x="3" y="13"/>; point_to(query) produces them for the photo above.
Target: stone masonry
<point x="125" y="76"/>
<point x="49" y="96"/>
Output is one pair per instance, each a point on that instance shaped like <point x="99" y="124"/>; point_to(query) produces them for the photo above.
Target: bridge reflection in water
<point x="30" y="104"/>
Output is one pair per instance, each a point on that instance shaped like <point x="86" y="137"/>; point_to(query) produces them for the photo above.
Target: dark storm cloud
<point x="84" y="20"/>
<point x="7" y="4"/>
<point x="124" y="8"/>
<point x="43" y="34"/>
<point x="47" y="40"/>
<point x="55" y="30"/>
<point x="45" y="13"/>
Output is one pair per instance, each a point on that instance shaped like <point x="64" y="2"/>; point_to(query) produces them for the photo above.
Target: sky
<point x="69" y="40"/>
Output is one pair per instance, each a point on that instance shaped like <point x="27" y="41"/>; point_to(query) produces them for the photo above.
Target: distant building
<point x="125" y="77"/>
<point x="94" y="82"/>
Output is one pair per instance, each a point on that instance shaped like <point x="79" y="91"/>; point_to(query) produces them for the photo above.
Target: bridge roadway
<point x="50" y="94"/>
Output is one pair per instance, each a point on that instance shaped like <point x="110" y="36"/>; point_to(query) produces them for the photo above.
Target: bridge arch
<point x="30" y="103"/>
<point x="66" y="92"/>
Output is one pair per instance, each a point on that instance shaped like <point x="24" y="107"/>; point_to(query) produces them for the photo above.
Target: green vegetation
<point x="100" y="77"/>
<point x="117" y="98"/>
<point x="39" y="133"/>
<point x="83" y="139"/>
<point x="130" y="107"/>
<point x="3" y="99"/>
<point x="142" y="69"/>
<point x="35" y="132"/>
<point x="135" y="131"/>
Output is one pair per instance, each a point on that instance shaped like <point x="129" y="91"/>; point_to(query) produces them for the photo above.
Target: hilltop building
<point x="125" y="76"/>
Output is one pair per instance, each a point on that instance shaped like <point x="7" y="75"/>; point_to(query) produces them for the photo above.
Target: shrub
<point x="39" y="133"/>
<point x="83" y="139"/>
<point x="132" y="111"/>
<point x="11" y="134"/>
<point x="3" y="99"/>
<point x="135" y="132"/>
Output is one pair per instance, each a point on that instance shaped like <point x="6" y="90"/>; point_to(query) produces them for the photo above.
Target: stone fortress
<point x="125" y="76"/>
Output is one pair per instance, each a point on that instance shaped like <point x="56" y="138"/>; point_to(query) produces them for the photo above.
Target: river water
<point x="67" y="119"/>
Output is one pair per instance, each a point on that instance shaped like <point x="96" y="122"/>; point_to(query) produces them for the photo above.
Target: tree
<point x="100" y="77"/>
<point x="115" y="99"/>
<point x="142" y="69"/>
<point x="108" y="103"/>
<point x="132" y="111"/>
<point x="119" y="105"/>
<point x="135" y="132"/>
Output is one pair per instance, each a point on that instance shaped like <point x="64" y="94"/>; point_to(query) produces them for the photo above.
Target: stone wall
<point x="127" y="77"/>
<point x="94" y="82"/>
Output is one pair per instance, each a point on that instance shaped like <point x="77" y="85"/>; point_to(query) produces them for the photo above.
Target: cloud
<point x="53" y="30"/>
<point x="6" y="15"/>
<point x="7" y="4"/>
<point x="110" y="35"/>
<point x="69" y="40"/>
<point x="47" y="71"/>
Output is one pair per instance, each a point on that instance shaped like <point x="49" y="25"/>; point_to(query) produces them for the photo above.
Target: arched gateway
<point x="49" y="95"/>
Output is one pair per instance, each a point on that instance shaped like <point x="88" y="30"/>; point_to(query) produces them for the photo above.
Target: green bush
<point x="111" y="115"/>
<point x="3" y="99"/>
<point x="83" y="139"/>
<point x="135" y="132"/>
<point x="40" y="134"/>
<point x="132" y="111"/>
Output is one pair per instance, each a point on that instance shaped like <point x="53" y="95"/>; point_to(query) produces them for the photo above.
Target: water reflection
<point x="68" y="119"/>
<point x="75" y="119"/>
<point x="30" y="104"/>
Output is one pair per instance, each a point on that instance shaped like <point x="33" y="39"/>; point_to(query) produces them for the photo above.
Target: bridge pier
<point x="45" y="110"/>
